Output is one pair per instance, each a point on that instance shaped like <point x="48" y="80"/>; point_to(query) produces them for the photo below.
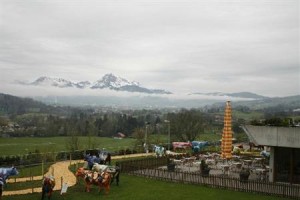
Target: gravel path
<point x="60" y="169"/>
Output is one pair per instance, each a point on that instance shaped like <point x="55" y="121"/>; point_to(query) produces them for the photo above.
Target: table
<point x="210" y="161"/>
<point x="258" y="161"/>
<point x="189" y="160"/>
<point x="236" y="165"/>
<point x="207" y="156"/>
<point x="247" y="162"/>
<point x="225" y="169"/>
<point x="177" y="162"/>
<point x="236" y="156"/>
<point x="262" y="174"/>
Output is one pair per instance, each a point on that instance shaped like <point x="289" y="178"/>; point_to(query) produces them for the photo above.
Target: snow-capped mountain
<point x="56" y="82"/>
<point x="108" y="81"/>
<point x="113" y="82"/>
<point x="117" y="83"/>
<point x="83" y="84"/>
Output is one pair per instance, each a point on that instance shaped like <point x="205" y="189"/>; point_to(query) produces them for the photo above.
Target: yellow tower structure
<point x="226" y="143"/>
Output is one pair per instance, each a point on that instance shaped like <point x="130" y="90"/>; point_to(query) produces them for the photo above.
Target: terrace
<point x="257" y="166"/>
<point x="223" y="174"/>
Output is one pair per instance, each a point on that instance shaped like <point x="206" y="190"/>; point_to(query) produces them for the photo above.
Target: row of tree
<point x="185" y="125"/>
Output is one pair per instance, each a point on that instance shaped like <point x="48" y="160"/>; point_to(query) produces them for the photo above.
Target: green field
<point x="21" y="146"/>
<point x="26" y="145"/>
<point x="24" y="185"/>
<point x="132" y="187"/>
<point x="247" y="116"/>
<point x="32" y="170"/>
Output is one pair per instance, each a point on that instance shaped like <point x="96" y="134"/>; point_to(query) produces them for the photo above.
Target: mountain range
<point x="108" y="81"/>
<point x="246" y="95"/>
<point x="16" y="105"/>
<point x="117" y="83"/>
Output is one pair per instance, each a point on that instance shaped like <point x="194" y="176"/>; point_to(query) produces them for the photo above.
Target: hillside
<point x="13" y="105"/>
<point x="245" y="95"/>
<point x="16" y="105"/>
<point x="279" y="103"/>
<point x="288" y="103"/>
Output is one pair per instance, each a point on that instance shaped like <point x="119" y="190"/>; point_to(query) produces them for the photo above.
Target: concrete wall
<point x="275" y="136"/>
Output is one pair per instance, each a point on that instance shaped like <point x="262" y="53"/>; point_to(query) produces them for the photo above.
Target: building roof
<point x="274" y="136"/>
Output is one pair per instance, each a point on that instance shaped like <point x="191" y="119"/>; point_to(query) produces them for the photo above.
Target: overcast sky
<point x="182" y="46"/>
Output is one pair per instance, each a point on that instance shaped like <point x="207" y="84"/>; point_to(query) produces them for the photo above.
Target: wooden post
<point x="70" y="158"/>
<point x="31" y="179"/>
<point x="61" y="182"/>
<point x="52" y="169"/>
<point x="76" y="166"/>
<point x="42" y="167"/>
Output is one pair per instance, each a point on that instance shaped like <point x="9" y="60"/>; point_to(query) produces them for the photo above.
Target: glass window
<point x="296" y="169"/>
<point x="282" y="164"/>
<point x="287" y="165"/>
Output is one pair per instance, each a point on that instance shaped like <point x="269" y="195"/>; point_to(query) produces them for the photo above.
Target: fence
<point x="38" y="157"/>
<point x="32" y="168"/>
<point x="152" y="168"/>
<point x="128" y="166"/>
<point x="216" y="181"/>
<point x="34" y="158"/>
<point x="29" y="178"/>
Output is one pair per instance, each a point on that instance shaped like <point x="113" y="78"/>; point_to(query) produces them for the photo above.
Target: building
<point x="284" y="143"/>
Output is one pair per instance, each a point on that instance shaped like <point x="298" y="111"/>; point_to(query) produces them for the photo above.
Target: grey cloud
<point x="182" y="44"/>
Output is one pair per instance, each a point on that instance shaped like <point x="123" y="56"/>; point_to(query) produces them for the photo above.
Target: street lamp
<point x="169" y="136"/>
<point x="146" y="134"/>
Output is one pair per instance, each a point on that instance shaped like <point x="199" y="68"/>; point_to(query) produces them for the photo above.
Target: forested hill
<point x="276" y="104"/>
<point x="287" y="103"/>
<point x="16" y="105"/>
<point x="13" y="105"/>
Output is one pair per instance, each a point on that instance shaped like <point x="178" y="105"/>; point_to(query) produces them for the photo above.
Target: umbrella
<point x="227" y="133"/>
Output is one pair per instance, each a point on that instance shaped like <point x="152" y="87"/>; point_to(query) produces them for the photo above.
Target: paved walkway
<point x="59" y="170"/>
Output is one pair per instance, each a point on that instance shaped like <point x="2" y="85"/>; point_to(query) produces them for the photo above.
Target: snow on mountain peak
<point x="109" y="81"/>
<point x="112" y="81"/>
<point x="57" y="82"/>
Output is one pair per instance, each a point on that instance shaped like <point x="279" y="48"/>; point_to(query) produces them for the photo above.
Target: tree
<point x="72" y="142"/>
<point x="3" y="121"/>
<point x="186" y="125"/>
<point x="139" y="135"/>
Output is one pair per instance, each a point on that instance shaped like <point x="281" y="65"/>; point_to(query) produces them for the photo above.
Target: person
<point x="117" y="173"/>
<point x="48" y="184"/>
<point x="146" y="147"/>
<point x="1" y="185"/>
<point x="204" y="169"/>
<point x="244" y="174"/>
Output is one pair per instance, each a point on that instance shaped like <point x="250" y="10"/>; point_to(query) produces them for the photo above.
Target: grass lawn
<point x="23" y="185"/>
<point x="247" y="116"/>
<point x="24" y="145"/>
<point x="132" y="187"/>
<point x="32" y="170"/>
